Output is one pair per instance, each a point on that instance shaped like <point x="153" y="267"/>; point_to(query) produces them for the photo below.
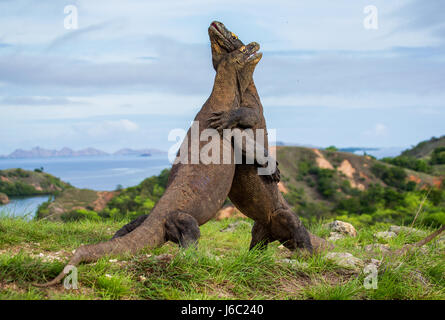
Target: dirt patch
<point x="11" y="286"/>
<point x="364" y="176"/>
<point x="295" y="284"/>
<point x="34" y="251"/>
<point x="437" y="182"/>
<point x="282" y="188"/>
<point x="321" y="160"/>
<point x="222" y="290"/>
<point x="4" y="179"/>
<point x="103" y="198"/>
<point x="37" y="186"/>
<point x="417" y="180"/>
<point x="348" y="170"/>
<point x="229" y="212"/>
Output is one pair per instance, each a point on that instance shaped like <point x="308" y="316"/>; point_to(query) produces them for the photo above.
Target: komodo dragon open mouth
<point x="226" y="39"/>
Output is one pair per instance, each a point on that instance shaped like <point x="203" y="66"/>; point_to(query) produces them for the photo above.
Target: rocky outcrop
<point x="385" y="235"/>
<point x="377" y="248"/>
<point x="345" y="260"/>
<point x="340" y="229"/>
<point x="407" y="230"/>
<point x="4" y="198"/>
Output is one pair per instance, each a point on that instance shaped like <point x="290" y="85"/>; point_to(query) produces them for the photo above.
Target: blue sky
<point x="135" y="70"/>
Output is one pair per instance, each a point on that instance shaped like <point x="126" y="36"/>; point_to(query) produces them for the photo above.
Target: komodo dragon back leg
<point x="261" y="236"/>
<point x="180" y="228"/>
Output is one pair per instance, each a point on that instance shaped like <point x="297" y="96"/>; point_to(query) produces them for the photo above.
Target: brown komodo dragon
<point x="256" y="196"/>
<point x="195" y="191"/>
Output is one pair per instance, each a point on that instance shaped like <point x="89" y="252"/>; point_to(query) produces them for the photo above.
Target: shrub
<point x="392" y="176"/>
<point x="326" y="184"/>
<point x="438" y="156"/>
<point x="409" y="162"/>
<point x="331" y="148"/>
<point x="81" y="214"/>
<point x="17" y="188"/>
<point x="138" y="200"/>
<point x="436" y="219"/>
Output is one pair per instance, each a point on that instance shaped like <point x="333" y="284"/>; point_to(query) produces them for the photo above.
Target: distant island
<point x="38" y="152"/>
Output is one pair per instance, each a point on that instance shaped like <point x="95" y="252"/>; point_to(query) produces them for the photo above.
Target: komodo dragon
<point x="197" y="191"/>
<point x="255" y="196"/>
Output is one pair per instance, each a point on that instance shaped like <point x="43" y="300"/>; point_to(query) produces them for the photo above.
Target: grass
<point x="221" y="267"/>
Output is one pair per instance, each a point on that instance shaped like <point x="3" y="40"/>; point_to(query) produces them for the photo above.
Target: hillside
<point x="299" y="165"/>
<point x="72" y="203"/>
<point x="325" y="184"/>
<point x="427" y="156"/>
<point x="425" y="148"/>
<point x="19" y="182"/>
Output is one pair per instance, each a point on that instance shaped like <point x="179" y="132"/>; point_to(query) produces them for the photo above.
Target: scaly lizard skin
<point x="195" y="191"/>
<point x="257" y="197"/>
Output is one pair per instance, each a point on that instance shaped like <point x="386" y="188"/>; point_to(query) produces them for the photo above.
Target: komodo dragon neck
<point x="223" y="95"/>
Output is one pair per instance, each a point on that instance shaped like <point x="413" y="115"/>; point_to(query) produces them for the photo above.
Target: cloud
<point x="417" y="15"/>
<point x="379" y="130"/>
<point x="37" y="101"/>
<point x="71" y="35"/>
<point x="108" y="128"/>
<point x="179" y="67"/>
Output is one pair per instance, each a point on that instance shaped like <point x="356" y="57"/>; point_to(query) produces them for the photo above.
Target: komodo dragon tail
<point x="151" y="233"/>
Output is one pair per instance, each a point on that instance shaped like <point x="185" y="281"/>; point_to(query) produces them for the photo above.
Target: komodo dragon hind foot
<point x="260" y="236"/>
<point x="182" y="228"/>
<point x="288" y="229"/>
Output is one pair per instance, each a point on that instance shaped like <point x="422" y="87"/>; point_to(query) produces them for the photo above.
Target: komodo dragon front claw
<point x="220" y="121"/>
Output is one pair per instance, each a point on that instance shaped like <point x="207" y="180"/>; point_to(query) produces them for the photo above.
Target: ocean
<point x="103" y="173"/>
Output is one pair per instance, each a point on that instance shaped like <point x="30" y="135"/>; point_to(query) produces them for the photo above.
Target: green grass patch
<point x="221" y="267"/>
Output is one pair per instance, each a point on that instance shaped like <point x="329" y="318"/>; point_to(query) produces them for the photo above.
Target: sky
<point x="133" y="71"/>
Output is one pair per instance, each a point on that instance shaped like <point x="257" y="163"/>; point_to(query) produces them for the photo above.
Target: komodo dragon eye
<point x="234" y="36"/>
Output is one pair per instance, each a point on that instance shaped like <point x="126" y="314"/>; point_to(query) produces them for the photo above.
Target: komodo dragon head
<point x="222" y="41"/>
<point x="227" y="48"/>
